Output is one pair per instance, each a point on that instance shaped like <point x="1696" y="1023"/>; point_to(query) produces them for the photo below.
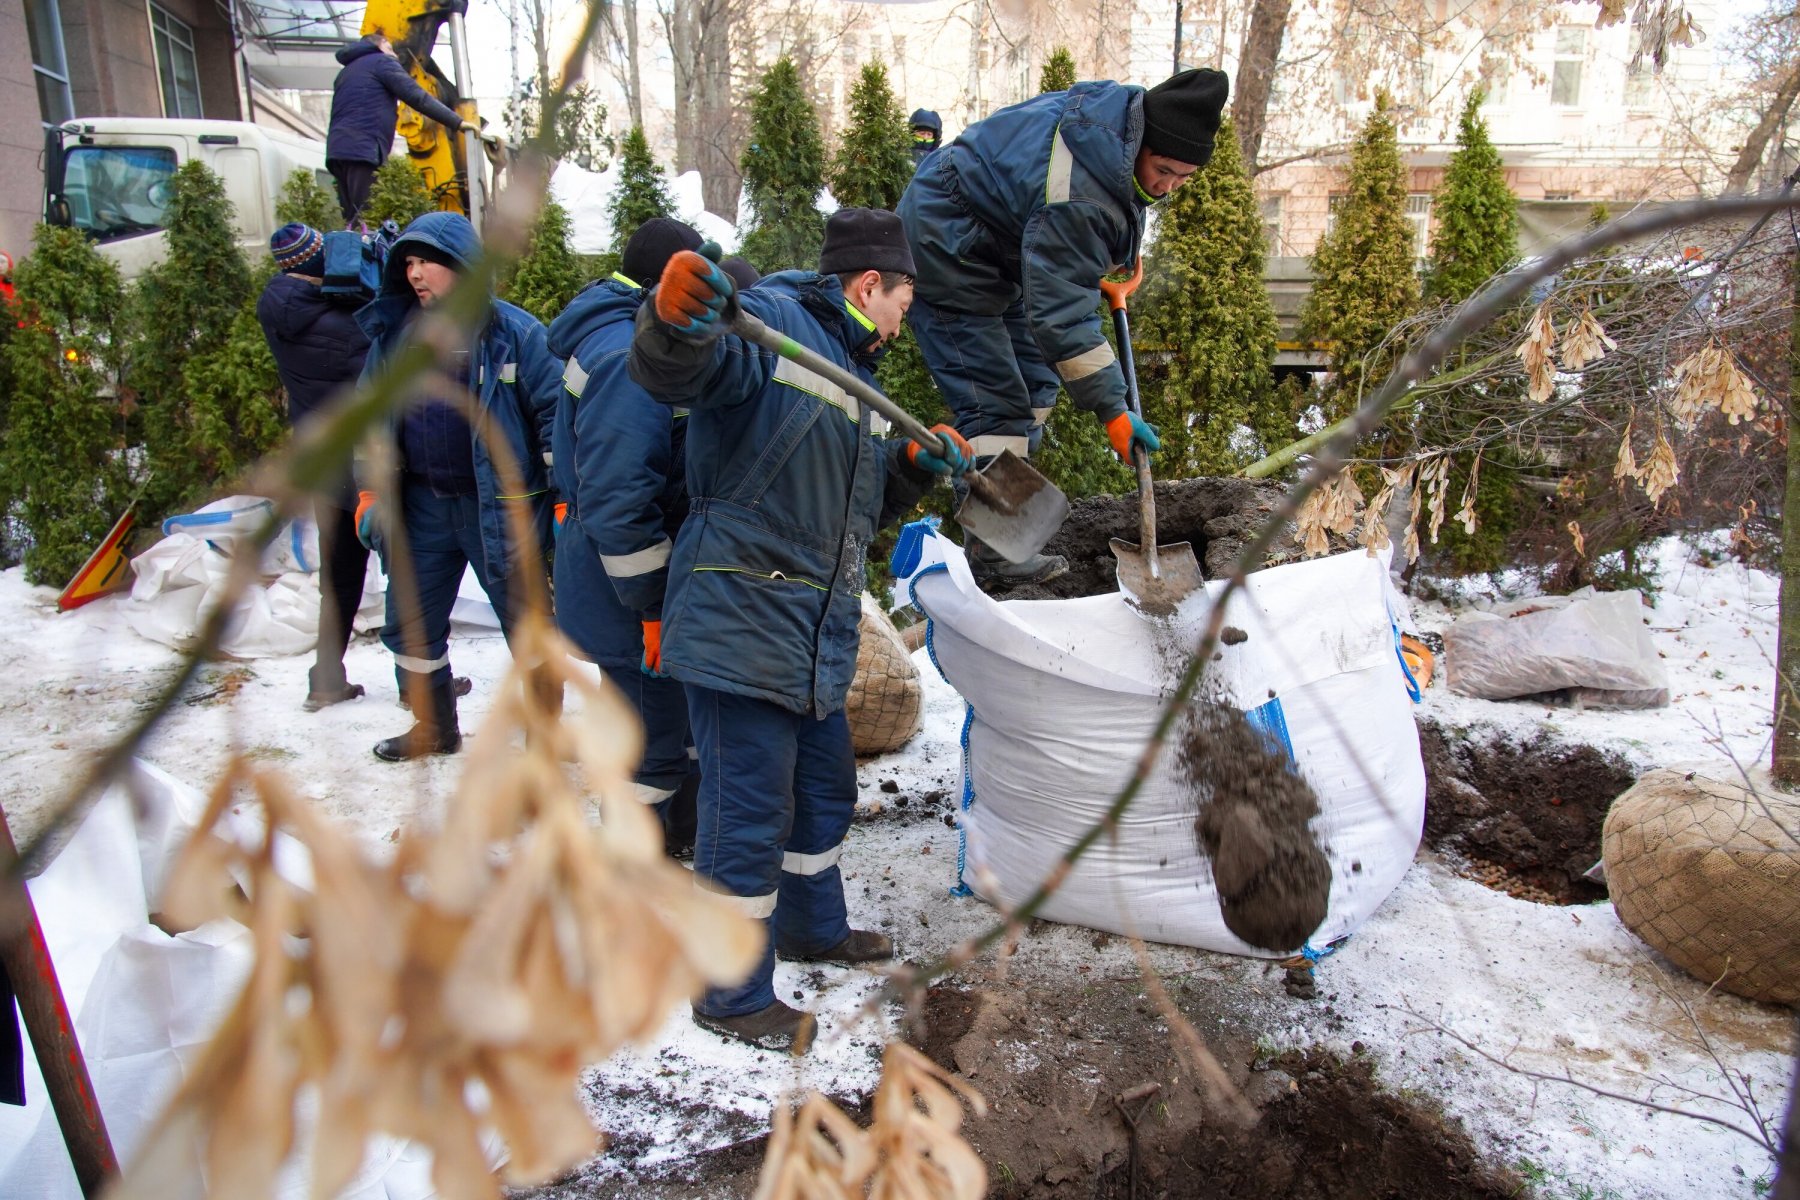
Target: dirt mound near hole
<point x="1254" y="824"/>
<point x="1528" y="815"/>
<point x="1216" y="515"/>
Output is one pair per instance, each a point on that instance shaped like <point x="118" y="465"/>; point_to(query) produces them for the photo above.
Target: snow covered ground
<point x="1547" y="987"/>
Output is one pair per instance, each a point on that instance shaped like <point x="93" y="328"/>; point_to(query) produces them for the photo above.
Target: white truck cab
<point x="111" y="178"/>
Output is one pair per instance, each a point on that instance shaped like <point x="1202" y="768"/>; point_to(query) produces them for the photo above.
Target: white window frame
<point x="1575" y="59"/>
<point x="168" y="35"/>
<point x="1418" y="211"/>
<point x="46" y="28"/>
<point x="1272" y="210"/>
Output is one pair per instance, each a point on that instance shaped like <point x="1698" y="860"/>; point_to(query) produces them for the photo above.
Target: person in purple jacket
<point x="363" y="117"/>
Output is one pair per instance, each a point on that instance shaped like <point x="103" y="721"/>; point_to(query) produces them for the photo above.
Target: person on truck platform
<point x="620" y="469"/>
<point x="788" y="481"/>
<point x="363" y="117"/>
<point x="452" y="503"/>
<point x="1013" y="225"/>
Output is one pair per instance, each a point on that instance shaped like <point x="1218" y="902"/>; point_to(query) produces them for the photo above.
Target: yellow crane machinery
<point x="443" y="157"/>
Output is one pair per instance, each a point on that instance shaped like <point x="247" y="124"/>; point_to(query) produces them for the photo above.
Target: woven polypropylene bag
<point x="885" y="700"/>
<point x="1708" y="873"/>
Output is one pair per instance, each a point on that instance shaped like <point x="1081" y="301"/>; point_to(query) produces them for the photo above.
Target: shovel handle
<point x="1116" y="294"/>
<point x="1117" y="290"/>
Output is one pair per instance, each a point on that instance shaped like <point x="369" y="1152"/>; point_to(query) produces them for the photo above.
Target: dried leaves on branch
<point x="459" y="989"/>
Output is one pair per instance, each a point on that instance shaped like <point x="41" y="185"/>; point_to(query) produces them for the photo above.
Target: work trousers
<point x="443" y="537"/>
<point x="343" y="568"/>
<point x="353" y="179"/>
<point x="777" y="792"/>
<point x="994" y="378"/>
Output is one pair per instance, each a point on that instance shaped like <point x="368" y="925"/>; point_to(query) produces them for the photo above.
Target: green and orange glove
<point x="365" y="518"/>
<point x="694" y="296"/>
<point x="559" y="514"/>
<point x="1127" y="431"/>
<point x="940" y="459"/>
<point x="652" y="664"/>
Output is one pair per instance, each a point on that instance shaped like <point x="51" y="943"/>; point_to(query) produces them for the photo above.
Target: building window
<point x="1639" y="84"/>
<point x="49" y="65"/>
<point x="1271" y="223"/>
<point x="1565" y="76"/>
<point x="177" y="67"/>
<point x="1559" y="195"/>
<point x="1418" y="211"/>
<point x="1497" y="70"/>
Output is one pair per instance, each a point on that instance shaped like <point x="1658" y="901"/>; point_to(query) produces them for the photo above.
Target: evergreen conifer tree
<point x="398" y="194"/>
<point x="549" y="274"/>
<point x="874" y="160"/>
<point x="1364" y="282"/>
<point x="784" y="169"/>
<point x="302" y="199"/>
<point x="1205" y="301"/>
<point x="1059" y="72"/>
<point x="1478" y="222"/>
<point x="181" y="310"/>
<point x="64" y="472"/>
<point x="642" y="193"/>
<point x="235" y="403"/>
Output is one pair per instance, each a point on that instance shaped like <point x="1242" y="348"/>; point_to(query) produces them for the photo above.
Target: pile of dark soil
<point x="1254" y="825"/>
<point x="1216" y="515"/>
<point x="1527" y="816"/>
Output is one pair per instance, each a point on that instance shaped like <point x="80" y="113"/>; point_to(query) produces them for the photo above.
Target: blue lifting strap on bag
<point x="354" y="261"/>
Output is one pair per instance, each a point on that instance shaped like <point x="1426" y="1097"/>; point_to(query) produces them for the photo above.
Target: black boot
<point x="325" y="686"/>
<point x="679" y="819"/>
<point x="776" y="1027"/>
<point x="858" y="947"/>
<point x="437" y="733"/>
<point x="988" y="567"/>
<point x="463" y="686"/>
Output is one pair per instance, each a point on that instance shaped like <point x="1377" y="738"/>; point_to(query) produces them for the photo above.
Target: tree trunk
<point x="1750" y="157"/>
<point x="1256" y="74"/>
<point x="1786" y="764"/>
<point x="717" y="129"/>
<point x="1787" y="1160"/>
<point x="634" y="88"/>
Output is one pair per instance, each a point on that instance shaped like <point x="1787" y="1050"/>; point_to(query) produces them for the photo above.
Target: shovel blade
<point x="1157" y="589"/>
<point x="1012" y="507"/>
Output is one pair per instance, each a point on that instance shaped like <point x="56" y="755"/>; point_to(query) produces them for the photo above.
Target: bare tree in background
<point x="1769" y="46"/>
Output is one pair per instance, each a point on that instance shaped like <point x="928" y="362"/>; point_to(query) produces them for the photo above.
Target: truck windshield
<point x="117" y="191"/>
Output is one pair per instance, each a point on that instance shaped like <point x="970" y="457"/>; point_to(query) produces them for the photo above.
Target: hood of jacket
<point x="360" y="48"/>
<point x="928" y="119"/>
<point x="602" y="303"/>
<point x="450" y="234"/>
<point x="1103" y="126"/>
<point x="823" y="297"/>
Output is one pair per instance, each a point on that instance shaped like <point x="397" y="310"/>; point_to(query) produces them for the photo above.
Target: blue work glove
<point x="695" y="296"/>
<point x="938" y="459"/>
<point x="1127" y="431"/>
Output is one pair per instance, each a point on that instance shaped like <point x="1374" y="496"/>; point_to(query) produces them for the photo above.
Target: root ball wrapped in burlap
<point x="885" y="703"/>
<point x="1708" y="873"/>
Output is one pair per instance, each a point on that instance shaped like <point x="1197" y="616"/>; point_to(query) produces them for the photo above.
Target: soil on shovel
<point x="1216" y="515"/>
<point x="1526" y="818"/>
<point x="1255" y="827"/>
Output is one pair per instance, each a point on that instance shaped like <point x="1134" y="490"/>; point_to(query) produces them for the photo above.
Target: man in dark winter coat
<point x="620" y="470"/>
<point x="453" y="503"/>
<point x="363" y="117"/>
<point x="1013" y="225"/>
<point x="319" y="350"/>
<point x="927" y="134"/>
<point x="788" y="482"/>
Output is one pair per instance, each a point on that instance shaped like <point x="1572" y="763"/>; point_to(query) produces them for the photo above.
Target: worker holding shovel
<point x="788" y="482"/>
<point x="1012" y="226"/>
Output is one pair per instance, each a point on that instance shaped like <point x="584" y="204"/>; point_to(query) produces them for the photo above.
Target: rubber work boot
<point x="332" y="688"/>
<point x="988" y="567"/>
<point x="678" y="819"/>
<point x="776" y="1027"/>
<point x="462" y="684"/>
<point x="858" y="947"/>
<point x="436" y="734"/>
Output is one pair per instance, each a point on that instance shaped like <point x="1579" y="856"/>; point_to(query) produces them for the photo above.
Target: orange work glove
<point x="954" y="460"/>
<point x="652" y="664"/>
<point x="1128" y="430"/>
<point x="693" y="295"/>
<point x="365" y="518"/>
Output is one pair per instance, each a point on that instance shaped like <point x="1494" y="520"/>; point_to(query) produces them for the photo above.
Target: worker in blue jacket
<point x="1013" y="225"/>
<point x="927" y="134"/>
<point x="453" y="505"/>
<point x="788" y="480"/>
<point x="360" y="135"/>
<point x="620" y="472"/>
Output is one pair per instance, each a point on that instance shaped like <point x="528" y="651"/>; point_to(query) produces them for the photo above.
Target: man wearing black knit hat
<point x="1013" y="225"/>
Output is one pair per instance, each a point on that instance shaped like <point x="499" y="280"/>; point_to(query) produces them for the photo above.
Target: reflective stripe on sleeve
<point x="638" y="562"/>
<point x="990" y="444"/>
<point x="1040" y="415"/>
<point x="811" y="864"/>
<point x="1062" y="167"/>
<point x="796" y="376"/>
<point x="1086" y="363"/>
<point x="574" y="378"/>
<point x="652" y="795"/>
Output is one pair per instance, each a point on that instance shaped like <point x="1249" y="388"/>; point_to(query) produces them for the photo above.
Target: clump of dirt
<point x="1525" y="816"/>
<point x="1255" y="827"/>
<point x="1216" y="515"/>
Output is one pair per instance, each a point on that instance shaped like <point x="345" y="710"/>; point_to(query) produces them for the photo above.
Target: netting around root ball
<point x="1708" y="873"/>
<point x="885" y="704"/>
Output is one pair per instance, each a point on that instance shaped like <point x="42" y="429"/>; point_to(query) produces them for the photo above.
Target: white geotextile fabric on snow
<point x="1064" y="694"/>
<point x="145" y="1002"/>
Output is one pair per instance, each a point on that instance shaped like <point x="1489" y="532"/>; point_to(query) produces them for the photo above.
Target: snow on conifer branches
<point x="458" y="990"/>
<point x="912" y="1150"/>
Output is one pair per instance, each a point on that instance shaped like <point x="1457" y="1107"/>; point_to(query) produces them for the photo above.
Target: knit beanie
<point x="741" y="272"/>
<point x="1181" y="114"/>
<point x="414" y="248"/>
<point x="298" y="249"/>
<point x="649" y="250"/>
<point x="865" y="239"/>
